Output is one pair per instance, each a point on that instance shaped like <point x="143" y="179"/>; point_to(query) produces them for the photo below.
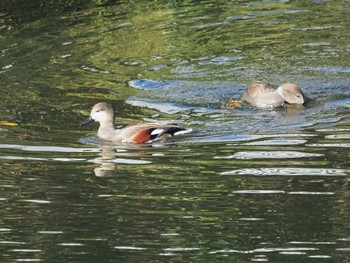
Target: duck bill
<point x="89" y="120"/>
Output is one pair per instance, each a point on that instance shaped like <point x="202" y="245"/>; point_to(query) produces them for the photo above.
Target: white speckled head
<point x="291" y="93"/>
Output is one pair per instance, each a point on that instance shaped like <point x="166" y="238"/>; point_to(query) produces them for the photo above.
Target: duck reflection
<point x="106" y="156"/>
<point x="109" y="158"/>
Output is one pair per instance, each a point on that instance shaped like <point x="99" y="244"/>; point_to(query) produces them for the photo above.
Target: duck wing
<point x="150" y="132"/>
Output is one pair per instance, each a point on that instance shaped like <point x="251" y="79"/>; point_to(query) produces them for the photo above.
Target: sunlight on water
<point x="278" y="142"/>
<point x="258" y="192"/>
<point x="288" y="172"/>
<point x="310" y="193"/>
<point x="168" y="108"/>
<point x="129" y="248"/>
<point x="280" y="192"/>
<point x="47" y="148"/>
<point x="269" y="155"/>
<point x="330" y="145"/>
<point x="266" y="250"/>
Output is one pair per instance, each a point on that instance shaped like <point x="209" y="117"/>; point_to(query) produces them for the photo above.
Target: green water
<point x="246" y="185"/>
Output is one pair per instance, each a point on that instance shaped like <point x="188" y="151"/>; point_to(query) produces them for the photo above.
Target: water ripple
<point x="47" y="148"/>
<point x="329" y="145"/>
<point x="50" y="232"/>
<point x="129" y="248"/>
<point x="309" y="193"/>
<point x="313" y="242"/>
<point x="251" y="219"/>
<point x="160" y="106"/>
<point x="277" y="142"/>
<point x="5" y="229"/>
<point x="12" y="242"/>
<point x="264" y="250"/>
<point x="338" y="136"/>
<point x="316" y="28"/>
<point x="269" y="155"/>
<point x="179" y="249"/>
<point x="71" y="244"/>
<point x="27" y="250"/>
<point x="119" y="161"/>
<point x="319" y="256"/>
<point x="95" y="70"/>
<point x="250" y="191"/>
<point x="29" y="260"/>
<point x="148" y="84"/>
<point x="95" y="160"/>
<point x="208" y="25"/>
<point x="37" y="201"/>
<point x="258" y="192"/>
<point x="287" y="172"/>
<point x="7" y="66"/>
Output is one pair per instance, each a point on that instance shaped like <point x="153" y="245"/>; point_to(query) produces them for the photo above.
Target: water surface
<point x="247" y="185"/>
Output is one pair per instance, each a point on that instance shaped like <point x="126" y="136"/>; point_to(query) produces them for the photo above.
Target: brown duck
<point x="139" y="133"/>
<point x="264" y="95"/>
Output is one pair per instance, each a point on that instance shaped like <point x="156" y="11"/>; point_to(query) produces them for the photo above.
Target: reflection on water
<point x="247" y="185"/>
<point x="108" y="161"/>
<point x="270" y="155"/>
<point x="288" y="172"/>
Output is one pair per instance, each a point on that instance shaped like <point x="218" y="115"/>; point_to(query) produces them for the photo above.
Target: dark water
<point x="247" y="185"/>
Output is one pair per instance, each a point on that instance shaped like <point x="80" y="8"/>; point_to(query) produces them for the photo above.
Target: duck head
<point x="291" y="93"/>
<point x="102" y="112"/>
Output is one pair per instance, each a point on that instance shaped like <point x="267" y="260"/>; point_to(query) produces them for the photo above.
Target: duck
<point x="140" y="133"/>
<point x="264" y="95"/>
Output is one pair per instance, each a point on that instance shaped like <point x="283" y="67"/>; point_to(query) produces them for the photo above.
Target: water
<point x="247" y="185"/>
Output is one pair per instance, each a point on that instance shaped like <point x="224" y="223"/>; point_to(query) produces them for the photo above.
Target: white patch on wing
<point x="157" y="131"/>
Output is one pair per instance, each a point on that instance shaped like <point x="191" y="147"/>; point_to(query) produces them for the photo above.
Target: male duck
<point x="139" y="133"/>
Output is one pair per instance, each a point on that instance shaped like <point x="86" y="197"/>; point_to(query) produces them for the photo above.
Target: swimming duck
<point x="264" y="95"/>
<point x="138" y="133"/>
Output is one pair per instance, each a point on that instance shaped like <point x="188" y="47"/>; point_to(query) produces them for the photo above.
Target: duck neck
<point x="106" y="130"/>
<point x="280" y="91"/>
